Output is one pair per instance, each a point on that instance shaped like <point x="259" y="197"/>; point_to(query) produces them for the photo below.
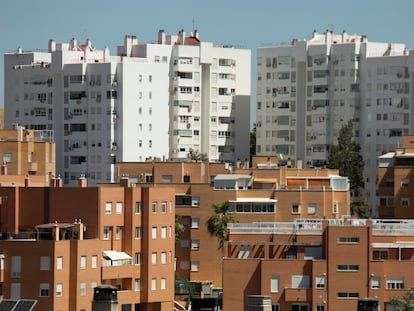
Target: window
<point x="154" y="233"/>
<point x="7" y="157"/>
<point x="44" y="290"/>
<point x="275" y="307"/>
<point x="300" y="281"/>
<point x="395" y="283"/>
<point x="118" y="207"/>
<point x="44" y="263"/>
<point x="59" y="289"/>
<point x="137" y="258"/>
<point x="16" y="266"/>
<point x="320" y="307"/>
<point x="108" y="208"/>
<point x="163" y="283"/>
<point x="195" y="266"/>
<point x="163" y="232"/>
<point x="154" y="284"/>
<point x="83" y="262"/>
<point x="137" y="207"/>
<point x="137" y="285"/>
<point x="348" y="240"/>
<point x="137" y="232"/>
<point x="380" y="254"/>
<point x="195" y="201"/>
<point x="195" y="244"/>
<point x="300" y="307"/>
<point x="405" y="202"/>
<point x="106" y="233"/>
<point x="348" y="267"/>
<point x="154" y="258"/>
<point x="295" y="208"/>
<point x="154" y="207"/>
<point x="186" y="178"/>
<point x="185" y="243"/>
<point x="166" y="178"/>
<point x="164" y="207"/>
<point x="163" y="258"/>
<point x="320" y="281"/>
<point x="94" y="262"/>
<point x="375" y="282"/>
<point x="118" y="233"/>
<point x="195" y="223"/>
<point x="274" y="284"/>
<point x="59" y="263"/>
<point x="405" y="183"/>
<point x="346" y="295"/>
<point x="312" y="208"/>
<point x="82" y="289"/>
<point x="335" y="208"/>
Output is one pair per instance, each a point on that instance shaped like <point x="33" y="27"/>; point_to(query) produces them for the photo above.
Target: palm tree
<point x="217" y="224"/>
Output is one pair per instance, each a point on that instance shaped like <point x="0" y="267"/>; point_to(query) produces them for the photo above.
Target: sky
<point x="243" y="23"/>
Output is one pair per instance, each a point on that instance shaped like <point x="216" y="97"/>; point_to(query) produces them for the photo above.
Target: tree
<point x="195" y="155"/>
<point x="346" y="157"/>
<point x="179" y="227"/>
<point x="217" y="224"/>
<point x="406" y="303"/>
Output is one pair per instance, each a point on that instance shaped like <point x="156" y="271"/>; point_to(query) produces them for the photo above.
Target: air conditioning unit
<point x="188" y="125"/>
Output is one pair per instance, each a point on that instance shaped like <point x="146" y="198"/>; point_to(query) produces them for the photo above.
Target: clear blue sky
<point x="245" y="23"/>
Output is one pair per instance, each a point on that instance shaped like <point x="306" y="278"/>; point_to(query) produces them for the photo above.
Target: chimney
<point x="238" y="163"/>
<point x="27" y="181"/>
<point x="4" y="169"/>
<point x="125" y="182"/>
<point x="161" y="36"/>
<point x="299" y="164"/>
<point x="82" y="182"/>
<point x="246" y="163"/>
<point x="181" y="36"/>
<point x="58" y="182"/>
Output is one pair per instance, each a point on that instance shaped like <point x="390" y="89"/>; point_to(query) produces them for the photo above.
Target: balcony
<point x="33" y="167"/>
<point x="298" y="294"/>
<point x="120" y="272"/>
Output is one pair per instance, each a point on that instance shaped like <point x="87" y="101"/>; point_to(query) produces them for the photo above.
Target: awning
<point x="265" y="180"/>
<point x="394" y="245"/>
<point x="114" y="255"/>
<point x="258" y="200"/>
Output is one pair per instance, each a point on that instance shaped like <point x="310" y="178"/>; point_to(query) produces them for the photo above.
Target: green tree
<point x="179" y="227"/>
<point x="217" y="224"/>
<point x="195" y="155"/>
<point x="346" y="157"/>
<point x="405" y="303"/>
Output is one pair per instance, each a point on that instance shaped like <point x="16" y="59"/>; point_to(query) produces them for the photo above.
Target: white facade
<point x="150" y="101"/>
<point x="306" y="91"/>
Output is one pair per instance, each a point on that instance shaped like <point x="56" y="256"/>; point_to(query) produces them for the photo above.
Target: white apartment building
<point x="307" y="90"/>
<point x="151" y="100"/>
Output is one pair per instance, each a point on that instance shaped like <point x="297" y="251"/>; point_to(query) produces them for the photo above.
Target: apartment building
<point x="307" y="90"/>
<point x="151" y="100"/>
<point x="28" y="157"/>
<point x="318" y="264"/>
<point x="58" y="243"/>
<point x="395" y="178"/>
<point x="264" y="192"/>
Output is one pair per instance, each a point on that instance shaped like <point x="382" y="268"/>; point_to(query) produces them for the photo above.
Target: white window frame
<point x="375" y="282"/>
<point x="138" y="258"/>
<point x="300" y="281"/>
<point x="82" y="289"/>
<point x="118" y="207"/>
<point x="164" y="207"/>
<point x="163" y="258"/>
<point x="108" y="208"/>
<point x="137" y="233"/>
<point x="154" y="284"/>
<point x="83" y="262"/>
<point x="295" y="208"/>
<point x="137" y="285"/>
<point x="274" y="283"/>
<point x="195" y="244"/>
<point x="320" y="281"/>
<point x="137" y="208"/>
<point x="154" y="258"/>
<point x="163" y="283"/>
<point x="195" y="223"/>
<point x="195" y="266"/>
<point x="154" y="233"/>
<point x="106" y="233"/>
<point x="117" y="233"/>
<point x="59" y="262"/>
<point x="154" y="207"/>
<point x="312" y="207"/>
<point x="405" y="202"/>
<point x="163" y="232"/>
<point x="59" y="290"/>
<point x="94" y="261"/>
<point x="394" y="283"/>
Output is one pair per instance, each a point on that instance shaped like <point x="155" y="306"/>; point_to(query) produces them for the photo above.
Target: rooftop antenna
<point x="193" y="23"/>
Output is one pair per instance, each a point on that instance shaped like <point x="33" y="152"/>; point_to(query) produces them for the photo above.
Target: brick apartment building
<point x="318" y="264"/>
<point x="59" y="243"/>
<point x="263" y="191"/>
<point x="395" y="180"/>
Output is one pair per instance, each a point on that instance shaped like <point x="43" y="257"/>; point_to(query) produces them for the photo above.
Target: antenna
<point x="193" y="23"/>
